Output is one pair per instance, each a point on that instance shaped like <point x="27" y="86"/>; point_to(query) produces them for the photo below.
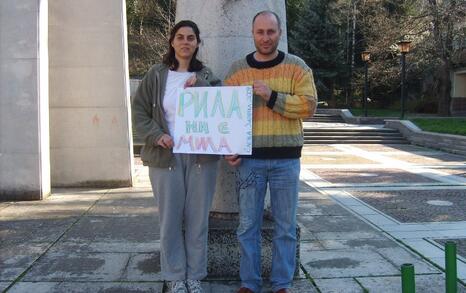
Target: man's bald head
<point x="270" y="13"/>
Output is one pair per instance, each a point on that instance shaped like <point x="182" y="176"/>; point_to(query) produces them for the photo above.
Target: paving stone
<point x="309" y="247"/>
<point x="115" y="246"/>
<point x="126" y="204"/>
<point x="334" y="224"/>
<point x="412" y="206"/>
<point x="460" y="245"/>
<point x="319" y="148"/>
<point x="298" y="286"/>
<point x="424" y="283"/>
<point x="456" y="172"/>
<point x="4" y="285"/>
<point x="33" y="230"/>
<point x="134" y="229"/>
<point x="346" y="263"/>
<point x="320" y="207"/>
<point x="399" y="256"/>
<point x="374" y="175"/>
<point x="15" y="258"/>
<point x="75" y="287"/>
<point x="306" y="234"/>
<point x="311" y="194"/>
<point x="391" y="148"/>
<point x="49" y="209"/>
<point x="338" y="285"/>
<point x="4" y="205"/>
<point x="349" y="235"/>
<point x="79" y="267"/>
<point x="435" y="158"/>
<point x="372" y="244"/>
<point x="303" y="187"/>
<point x="143" y="267"/>
<point x="334" y="159"/>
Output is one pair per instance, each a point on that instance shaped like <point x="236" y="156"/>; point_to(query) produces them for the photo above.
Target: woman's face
<point x="185" y="43"/>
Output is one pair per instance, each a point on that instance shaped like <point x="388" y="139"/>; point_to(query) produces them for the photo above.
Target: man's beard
<point x="269" y="51"/>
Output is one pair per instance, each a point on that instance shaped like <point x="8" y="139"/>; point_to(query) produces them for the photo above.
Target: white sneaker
<point x="178" y="287"/>
<point x="194" y="286"/>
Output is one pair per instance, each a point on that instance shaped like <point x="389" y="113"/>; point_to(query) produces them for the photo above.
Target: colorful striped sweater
<point x="277" y="124"/>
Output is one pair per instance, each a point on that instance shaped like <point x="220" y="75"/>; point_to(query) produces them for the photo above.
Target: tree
<point x="317" y="37"/>
<point x="444" y="15"/>
<point x="149" y="23"/>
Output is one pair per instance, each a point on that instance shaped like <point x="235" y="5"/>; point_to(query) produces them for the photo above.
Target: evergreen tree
<point x="318" y="38"/>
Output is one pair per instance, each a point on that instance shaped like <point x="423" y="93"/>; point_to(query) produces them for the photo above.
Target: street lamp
<point x="366" y="57"/>
<point x="404" y="47"/>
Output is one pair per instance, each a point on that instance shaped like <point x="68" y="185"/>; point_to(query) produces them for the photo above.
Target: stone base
<point x="224" y="251"/>
<point x="21" y="195"/>
<point x="458" y="106"/>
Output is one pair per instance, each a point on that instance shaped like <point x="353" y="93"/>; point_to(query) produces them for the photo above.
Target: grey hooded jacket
<point x="149" y="119"/>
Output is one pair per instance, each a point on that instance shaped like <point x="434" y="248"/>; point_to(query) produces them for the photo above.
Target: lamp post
<point x="366" y="57"/>
<point x="404" y="47"/>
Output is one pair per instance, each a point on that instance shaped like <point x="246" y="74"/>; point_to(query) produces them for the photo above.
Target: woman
<point x="183" y="184"/>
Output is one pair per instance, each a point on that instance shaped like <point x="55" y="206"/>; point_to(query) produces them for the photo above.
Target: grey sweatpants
<point x="184" y="194"/>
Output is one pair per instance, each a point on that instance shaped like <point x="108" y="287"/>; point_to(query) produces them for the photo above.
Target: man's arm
<point x="301" y="104"/>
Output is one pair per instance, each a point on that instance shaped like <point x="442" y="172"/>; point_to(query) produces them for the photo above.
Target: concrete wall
<point x="458" y="92"/>
<point x="226" y="28"/>
<point x="89" y="94"/>
<point x="447" y="142"/>
<point x="24" y="116"/>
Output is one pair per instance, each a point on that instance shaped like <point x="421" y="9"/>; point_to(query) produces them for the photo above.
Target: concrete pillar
<point x="226" y="33"/>
<point x="24" y="115"/>
<point x="90" y="139"/>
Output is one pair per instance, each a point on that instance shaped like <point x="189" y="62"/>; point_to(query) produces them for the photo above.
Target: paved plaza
<point x="364" y="210"/>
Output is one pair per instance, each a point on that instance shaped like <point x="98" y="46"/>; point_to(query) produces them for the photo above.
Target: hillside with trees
<point x="330" y="36"/>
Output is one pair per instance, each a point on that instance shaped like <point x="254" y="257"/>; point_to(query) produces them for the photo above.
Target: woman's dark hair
<point x="169" y="58"/>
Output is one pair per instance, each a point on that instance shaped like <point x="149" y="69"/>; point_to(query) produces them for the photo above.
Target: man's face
<point x="266" y="34"/>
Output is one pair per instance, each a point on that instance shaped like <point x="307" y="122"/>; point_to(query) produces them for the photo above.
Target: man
<point x="284" y="93"/>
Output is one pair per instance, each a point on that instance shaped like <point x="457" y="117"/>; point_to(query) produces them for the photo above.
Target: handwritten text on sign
<point x="214" y="120"/>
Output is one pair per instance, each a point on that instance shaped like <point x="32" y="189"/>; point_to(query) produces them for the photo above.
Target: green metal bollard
<point x="450" y="267"/>
<point x="407" y="278"/>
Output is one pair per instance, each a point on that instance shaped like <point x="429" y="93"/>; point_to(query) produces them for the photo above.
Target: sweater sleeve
<point x="302" y="102"/>
<point x="230" y="78"/>
<point x="142" y="106"/>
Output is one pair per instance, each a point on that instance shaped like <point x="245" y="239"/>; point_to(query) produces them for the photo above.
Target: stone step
<point x="359" y="133"/>
<point x="325" y="118"/>
<point x="353" y="137"/>
<point x="357" y="141"/>
<point x="342" y="129"/>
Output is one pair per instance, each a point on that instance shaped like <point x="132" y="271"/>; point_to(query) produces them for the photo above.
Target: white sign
<point x="214" y="120"/>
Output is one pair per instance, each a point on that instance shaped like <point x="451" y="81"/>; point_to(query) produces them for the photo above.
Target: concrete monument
<point x="226" y="27"/>
<point x="24" y="113"/>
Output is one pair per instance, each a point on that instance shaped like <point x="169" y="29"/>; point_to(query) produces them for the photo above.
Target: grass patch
<point x="442" y="125"/>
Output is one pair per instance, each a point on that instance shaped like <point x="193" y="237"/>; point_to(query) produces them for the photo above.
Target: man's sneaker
<point x="194" y="286"/>
<point x="178" y="287"/>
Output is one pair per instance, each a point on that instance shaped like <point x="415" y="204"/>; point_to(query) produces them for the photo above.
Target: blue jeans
<point x="282" y="176"/>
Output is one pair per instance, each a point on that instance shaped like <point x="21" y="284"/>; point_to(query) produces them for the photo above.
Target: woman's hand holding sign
<point x="191" y="81"/>
<point x="233" y="160"/>
<point x="165" y="141"/>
